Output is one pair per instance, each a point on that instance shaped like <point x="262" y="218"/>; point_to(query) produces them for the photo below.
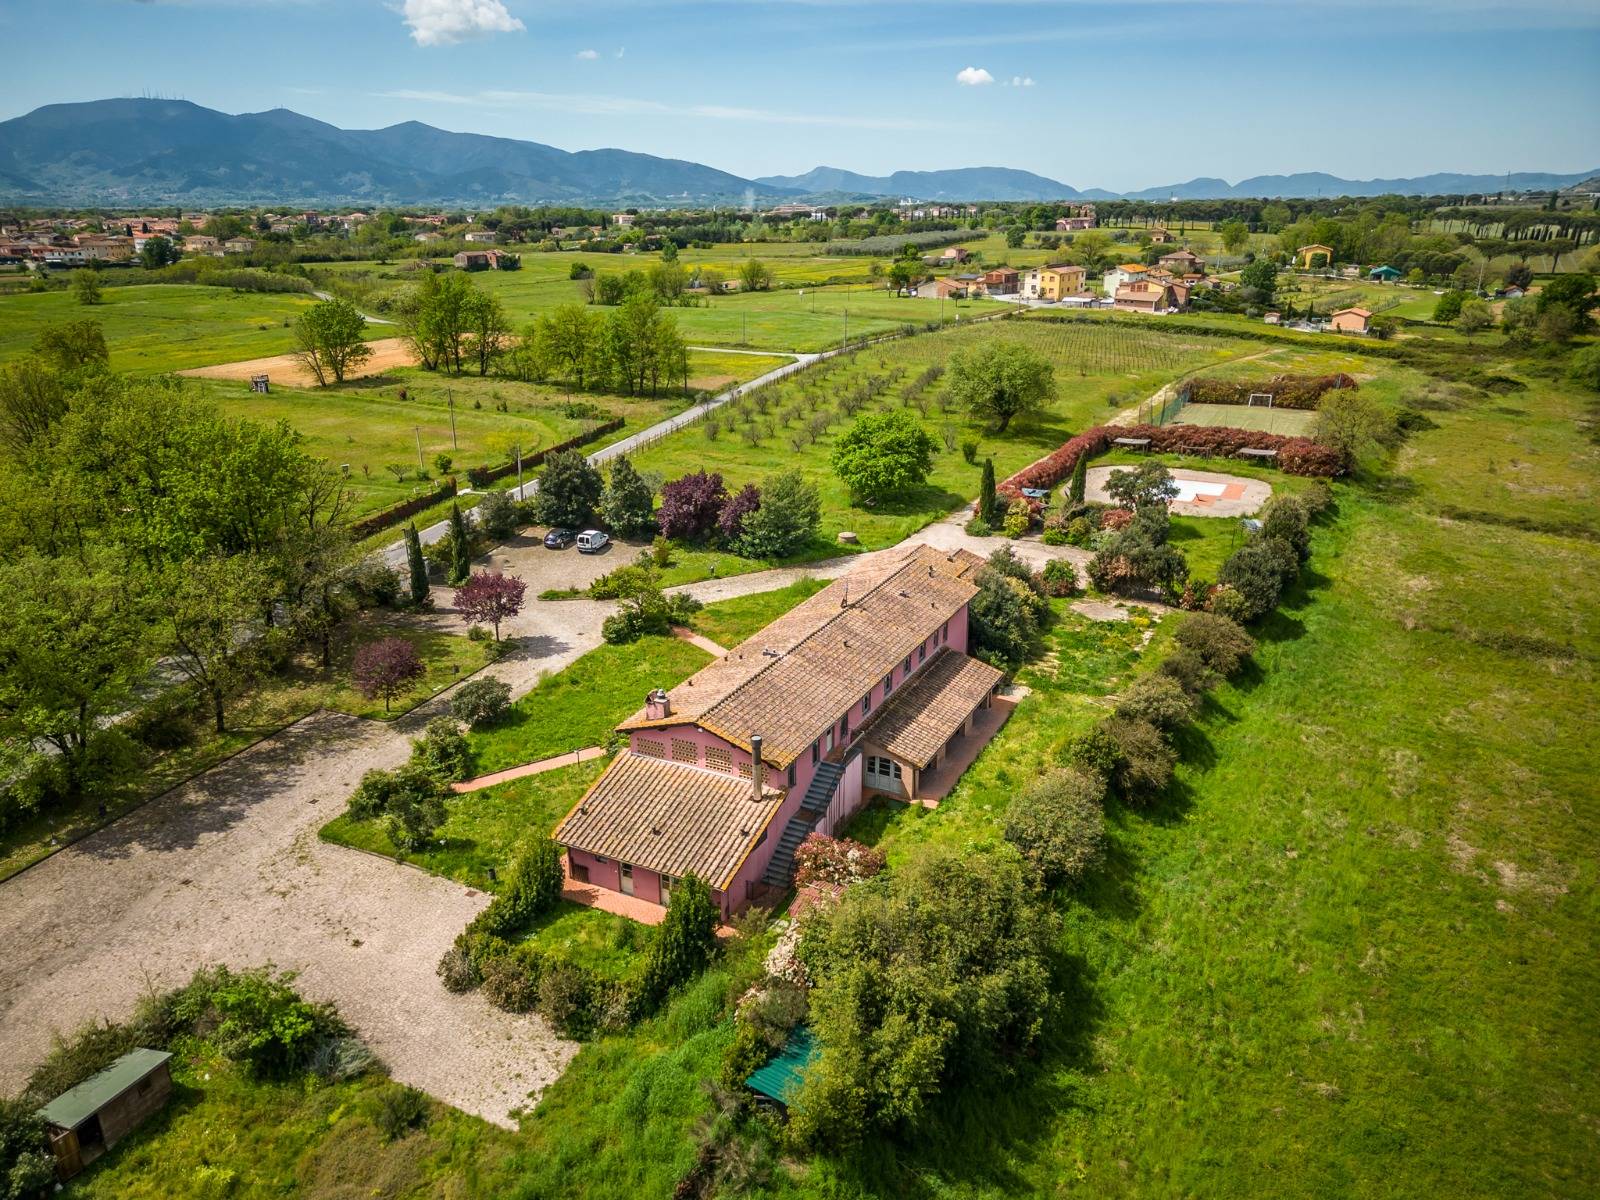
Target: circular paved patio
<point x="1201" y="493"/>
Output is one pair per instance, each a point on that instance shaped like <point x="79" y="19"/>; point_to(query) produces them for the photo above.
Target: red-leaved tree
<point x="386" y="668"/>
<point x="691" y="505"/>
<point x="491" y="598"/>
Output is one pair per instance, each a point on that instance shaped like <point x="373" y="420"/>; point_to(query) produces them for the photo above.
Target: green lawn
<point x="161" y="327"/>
<point x="581" y="705"/>
<point x="729" y="622"/>
<point x="484" y="827"/>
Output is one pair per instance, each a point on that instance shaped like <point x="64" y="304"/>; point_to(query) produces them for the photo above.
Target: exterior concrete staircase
<point x="780" y="868"/>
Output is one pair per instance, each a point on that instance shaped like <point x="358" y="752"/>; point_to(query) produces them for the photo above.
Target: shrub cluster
<point x="1287" y="391"/>
<point x="410" y="799"/>
<point x="842" y="861"/>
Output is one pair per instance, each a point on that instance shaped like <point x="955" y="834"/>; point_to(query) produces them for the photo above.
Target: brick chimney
<point x="755" y="766"/>
<point x="657" y="706"/>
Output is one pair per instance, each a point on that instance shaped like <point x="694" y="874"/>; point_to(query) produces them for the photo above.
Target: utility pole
<point x="417" y="432"/>
<point x="521" y="495"/>
<point x="450" y="393"/>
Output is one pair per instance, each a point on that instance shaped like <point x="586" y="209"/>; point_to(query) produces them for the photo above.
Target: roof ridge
<point x="774" y="659"/>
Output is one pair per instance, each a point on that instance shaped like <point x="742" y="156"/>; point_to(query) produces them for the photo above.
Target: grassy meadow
<point x="153" y="328"/>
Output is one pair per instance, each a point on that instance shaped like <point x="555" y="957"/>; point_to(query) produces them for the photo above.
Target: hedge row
<point x="1287" y="391"/>
<point x="396" y="513"/>
<point x="1296" y="455"/>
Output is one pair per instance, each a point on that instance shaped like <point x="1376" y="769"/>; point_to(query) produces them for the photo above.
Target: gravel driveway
<point x="228" y="868"/>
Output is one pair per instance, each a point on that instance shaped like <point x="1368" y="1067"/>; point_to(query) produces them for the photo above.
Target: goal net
<point x="1260" y="399"/>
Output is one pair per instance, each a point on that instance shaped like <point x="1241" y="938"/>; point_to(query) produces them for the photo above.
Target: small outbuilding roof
<point x="781" y="1078"/>
<point x="76" y="1105"/>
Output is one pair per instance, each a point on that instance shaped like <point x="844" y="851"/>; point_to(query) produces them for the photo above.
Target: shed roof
<point x="76" y="1105"/>
<point x="797" y="676"/>
<point x="921" y="717"/>
<point x="670" y="817"/>
<point x="781" y="1078"/>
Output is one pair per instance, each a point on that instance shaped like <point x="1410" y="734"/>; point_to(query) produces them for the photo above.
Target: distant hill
<point x="144" y="151"/>
<point x="965" y="183"/>
<point x="999" y="183"/>
<point x="122" y="152"/>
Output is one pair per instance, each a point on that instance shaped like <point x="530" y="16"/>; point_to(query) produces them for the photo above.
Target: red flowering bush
<point x="842" y="861"/>
<point x="1116" y="518"/>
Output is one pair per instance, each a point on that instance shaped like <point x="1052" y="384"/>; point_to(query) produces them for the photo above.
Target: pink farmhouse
<point x="856" y="691"/>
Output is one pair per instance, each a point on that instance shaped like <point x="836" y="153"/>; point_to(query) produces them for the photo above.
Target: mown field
<point x="162" y="327"/>
<point x="1352" y="953"/>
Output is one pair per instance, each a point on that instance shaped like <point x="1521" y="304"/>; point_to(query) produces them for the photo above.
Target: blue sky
<point x="1122" y="94"/>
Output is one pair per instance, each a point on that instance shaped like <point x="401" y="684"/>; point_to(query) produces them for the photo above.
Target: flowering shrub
<point x="1116" y="518"/>
<point x="822" y="859"/>
<point x="691" y="505"/>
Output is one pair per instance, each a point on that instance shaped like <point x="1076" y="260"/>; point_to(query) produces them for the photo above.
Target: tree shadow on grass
<point x="1111" y="888"/>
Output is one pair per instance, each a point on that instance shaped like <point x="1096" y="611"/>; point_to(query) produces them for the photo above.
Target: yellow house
<point x="1306" y="255"/>
<point x="1058" y="281"/>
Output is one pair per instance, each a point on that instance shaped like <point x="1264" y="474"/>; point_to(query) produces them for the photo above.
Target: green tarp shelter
<point x="76" y="1105"/>
<point x="781" y="1078"/>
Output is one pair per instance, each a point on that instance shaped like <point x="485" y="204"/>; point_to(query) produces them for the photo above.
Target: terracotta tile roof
<point x="801" y="673"/>
<point x="921" y="717"/>
<point x="670" y="817"/>
<point x="1360" y="312"/>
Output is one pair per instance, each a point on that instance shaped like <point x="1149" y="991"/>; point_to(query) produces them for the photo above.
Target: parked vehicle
<point x="558" y="539"/>
<point x="592" y="541"/>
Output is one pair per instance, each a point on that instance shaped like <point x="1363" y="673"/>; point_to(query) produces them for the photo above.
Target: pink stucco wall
<point x="846" y="800"/>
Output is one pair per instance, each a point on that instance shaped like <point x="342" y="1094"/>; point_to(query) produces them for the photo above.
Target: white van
<point x="592" y="541"/>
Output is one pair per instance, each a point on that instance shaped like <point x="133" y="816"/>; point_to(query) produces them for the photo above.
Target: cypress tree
<point x="460" y="547"/>
<point x="986" y="497"/>
<point x="1080" y="479"/>
<point x="417" y="565"/>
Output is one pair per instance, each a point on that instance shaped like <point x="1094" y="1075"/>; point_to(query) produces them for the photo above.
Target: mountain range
<point x="142" y="151"/>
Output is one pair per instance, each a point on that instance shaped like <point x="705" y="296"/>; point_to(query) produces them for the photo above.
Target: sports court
<point x="1289" y="422"/>
<point x="1200" y="493"/>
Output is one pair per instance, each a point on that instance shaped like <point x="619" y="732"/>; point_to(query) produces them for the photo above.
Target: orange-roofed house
<point x="1351" y="320"/>
<point x="1144" y="296"/>
<point x="860" y="690"/>
<point x="1122" y="275"/>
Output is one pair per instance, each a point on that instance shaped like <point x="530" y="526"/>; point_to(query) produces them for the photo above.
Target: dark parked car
<point x="558" y="539"/>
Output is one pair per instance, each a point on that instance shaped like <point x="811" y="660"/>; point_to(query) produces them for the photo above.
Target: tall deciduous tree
<point x="207" y="608"/>
<point x="789" y="517"/>
<point x="883" y="453"/>
<point x="1000" y="382"/>
<point x="73" y="346"/>
<point x="32" y="399"/>
<point x="488" y="330"/>
<point x="86" y="286"/>
<point x="569" y="489"/>
<point x="328" y="340"/>
<point x="73" y="645"/>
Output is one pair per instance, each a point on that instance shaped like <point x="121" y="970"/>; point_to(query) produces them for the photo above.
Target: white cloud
<point x="588" y="55"/>
<point x="621" y="50"/>
<point x="1021" y="81"/>
<point x="974" y="77"/>
<point x="445" y="22"/>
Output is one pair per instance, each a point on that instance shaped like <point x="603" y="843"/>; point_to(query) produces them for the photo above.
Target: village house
<point x="105" y="249"/>
<point x="200" y="243"/>
<point x="955" y="254"/>
<point x="486" y="237"/>
<point x="1121" y="275"/>
<point x="1143" y="295"/>
<point x="864" y="689"/>
<point x="1051" y="283"/>
<point x="1182" y="262"/>
<point x="1081" y="218"/>
<point x="1306" y="257"/>
<point x="1002" y="281"/>
<point x="426" y="236"/>
<point x="1351" y="320"/>
<point x="948" y="287"/>
<point x="622" y="219"/>
<point x="485" y="260"/>
<point x="1160" y="235"/>
<point x="238" y="245"/>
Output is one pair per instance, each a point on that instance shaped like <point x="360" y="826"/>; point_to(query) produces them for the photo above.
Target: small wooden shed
<point x="781" y="1078"/>
<point x="89" y="1119"/>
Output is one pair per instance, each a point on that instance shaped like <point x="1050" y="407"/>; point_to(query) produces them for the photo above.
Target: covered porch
<point x="920" y="742"/>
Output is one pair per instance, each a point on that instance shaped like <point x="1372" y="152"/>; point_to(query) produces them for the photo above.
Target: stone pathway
<point x="697" y="639"/>
<point x="570" y="759"/>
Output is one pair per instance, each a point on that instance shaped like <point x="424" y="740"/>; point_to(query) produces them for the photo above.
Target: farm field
<point x="367" y="426"/>
<point x="1101" y="366"/>
<point x="163" y="327"/>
